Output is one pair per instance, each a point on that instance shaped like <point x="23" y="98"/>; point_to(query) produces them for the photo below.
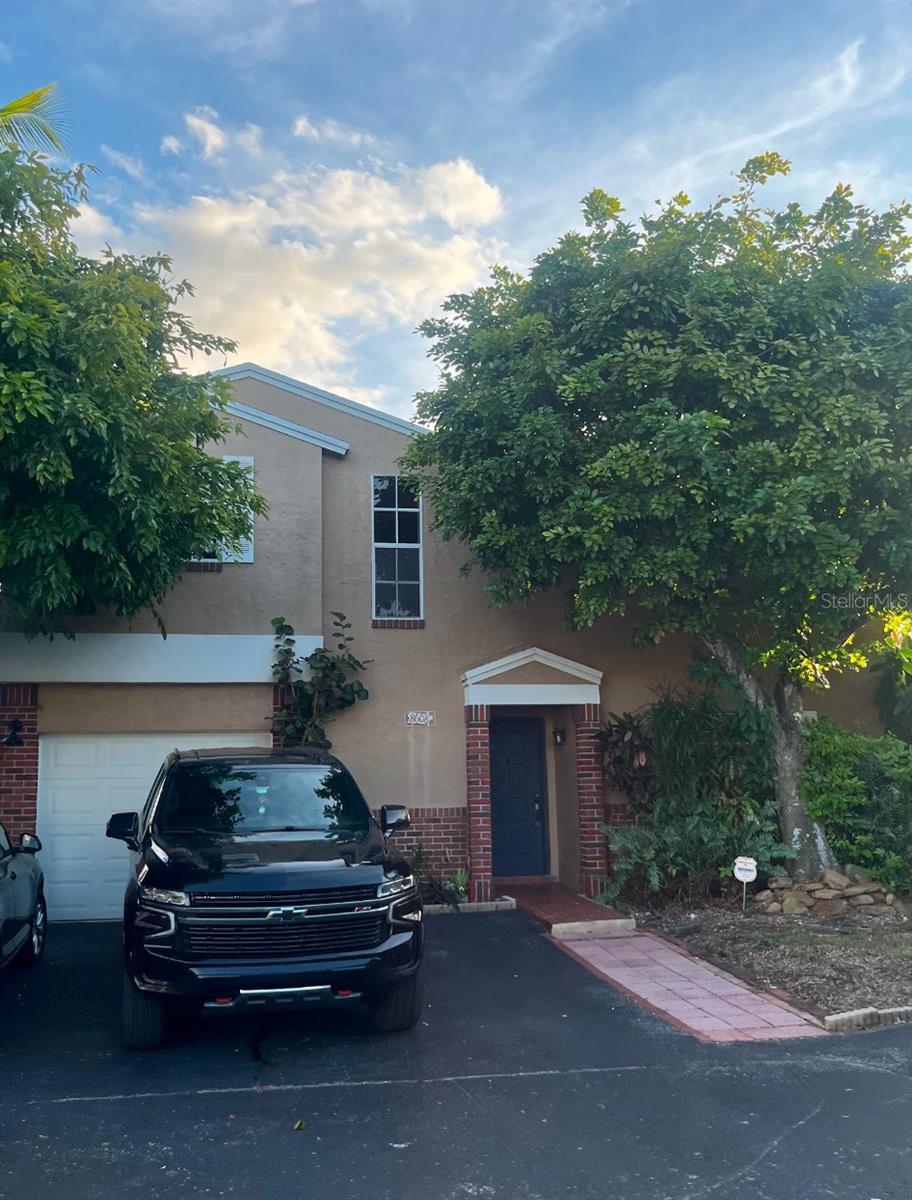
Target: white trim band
<point x="143" y="658"/>
<point x="531" y="693"/>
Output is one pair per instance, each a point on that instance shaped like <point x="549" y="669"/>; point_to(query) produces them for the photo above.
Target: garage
<point x="82" y="779"/>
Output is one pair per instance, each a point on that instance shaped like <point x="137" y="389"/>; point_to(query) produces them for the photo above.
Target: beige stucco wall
<point x="154" y="708"/>
<point x="285" y="578"/>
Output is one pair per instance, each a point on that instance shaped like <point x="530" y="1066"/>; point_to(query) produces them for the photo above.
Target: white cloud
<point x="300" y="265"/>
<point x="6" y="52"/>
<point x="171" y="144"/>
<point x="202" y="124"/>
<point x="94" y="230"/>
<point x="134" y="167"/>
<point x="331" y="131"/>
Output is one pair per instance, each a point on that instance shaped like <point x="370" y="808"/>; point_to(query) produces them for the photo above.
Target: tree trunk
<point x="812" y="853"/>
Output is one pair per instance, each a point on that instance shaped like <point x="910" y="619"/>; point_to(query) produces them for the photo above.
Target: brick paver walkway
<point x="687" y="992"/>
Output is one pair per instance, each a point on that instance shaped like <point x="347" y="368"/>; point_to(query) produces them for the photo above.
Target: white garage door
<point x="82" y="779"/>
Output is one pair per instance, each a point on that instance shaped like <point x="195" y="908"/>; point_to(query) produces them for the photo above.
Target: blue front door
<point x="518" y="807"/>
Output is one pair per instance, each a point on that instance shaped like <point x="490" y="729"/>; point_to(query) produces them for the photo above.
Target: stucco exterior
<point x="313" y="556"/>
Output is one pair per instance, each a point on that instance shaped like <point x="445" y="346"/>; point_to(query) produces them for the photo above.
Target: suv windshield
<point x="237" y="798"/>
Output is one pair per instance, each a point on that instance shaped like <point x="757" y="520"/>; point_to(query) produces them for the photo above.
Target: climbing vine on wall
<point x="315" y="686"/>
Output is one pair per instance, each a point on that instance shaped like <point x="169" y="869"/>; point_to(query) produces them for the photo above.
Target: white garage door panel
<point x="82" y="779"/>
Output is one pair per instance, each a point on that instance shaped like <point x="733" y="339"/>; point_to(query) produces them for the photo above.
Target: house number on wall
<point x="419" y="718"/>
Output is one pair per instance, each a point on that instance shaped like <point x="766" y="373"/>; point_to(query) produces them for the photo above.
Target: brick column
<point x="478" y="800"/>
<point x="590" y="788"/>
<point x="19" y="764"/>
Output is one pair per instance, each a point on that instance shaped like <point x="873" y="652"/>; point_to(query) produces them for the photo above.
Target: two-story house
<point x="482" y="720"/>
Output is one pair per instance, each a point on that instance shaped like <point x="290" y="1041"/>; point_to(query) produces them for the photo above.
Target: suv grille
<point x="275" y="939"/>
<point x="276" y="899"/>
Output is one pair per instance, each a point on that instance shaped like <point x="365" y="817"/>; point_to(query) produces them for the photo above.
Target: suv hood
<point x="267" y="861"/>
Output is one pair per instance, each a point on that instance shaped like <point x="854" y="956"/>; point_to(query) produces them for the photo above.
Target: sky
<point x="325" y="172"/>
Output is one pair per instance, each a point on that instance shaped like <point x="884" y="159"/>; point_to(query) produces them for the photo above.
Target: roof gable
<point x="291" y="429"/>
<point x="532" y="654"/>
<point x="317" y="396"/>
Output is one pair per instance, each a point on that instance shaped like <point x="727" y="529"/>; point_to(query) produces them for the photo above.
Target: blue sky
<point x="326" y="171"/>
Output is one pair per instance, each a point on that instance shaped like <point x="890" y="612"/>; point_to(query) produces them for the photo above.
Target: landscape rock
<point x="780" y="881"/>
<point x="826" y="894"/>
<point x="811" y="886"/>
<point x="860" y="900"/>
<point x="774" y="908"/>
<point x="764" y="895"/>
<point x="858" y="874"/>
<point x="829" y="908"/>
<point x="879" y="910"/>
<point x="859" y="889"/>
<point x="802" y="897"/>
<point x="835" y="879"/>
<point x="791" y="905"/>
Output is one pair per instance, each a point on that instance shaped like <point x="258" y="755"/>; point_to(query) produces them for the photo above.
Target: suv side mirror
<point x="394" y="816"/>
<point x="29" y="844"/>
<point x="124" y="827"/>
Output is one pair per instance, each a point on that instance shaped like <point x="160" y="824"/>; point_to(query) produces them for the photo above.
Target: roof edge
<point x="250" y="370"/>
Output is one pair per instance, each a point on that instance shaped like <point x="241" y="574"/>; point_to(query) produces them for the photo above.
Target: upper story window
<point x="245" y="553"/>
<point x="397" y="567"/>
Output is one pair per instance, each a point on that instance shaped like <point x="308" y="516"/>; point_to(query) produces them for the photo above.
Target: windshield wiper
<point x="289" y="829"/>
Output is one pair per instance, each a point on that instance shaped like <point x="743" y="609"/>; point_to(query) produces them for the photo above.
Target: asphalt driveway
<point x="529" y="1079"/>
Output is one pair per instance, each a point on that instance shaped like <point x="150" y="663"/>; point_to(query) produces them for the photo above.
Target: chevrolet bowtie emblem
<point x="286" y="915"/>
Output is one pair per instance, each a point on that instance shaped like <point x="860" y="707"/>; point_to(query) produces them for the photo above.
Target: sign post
<point x="745" y="870"/>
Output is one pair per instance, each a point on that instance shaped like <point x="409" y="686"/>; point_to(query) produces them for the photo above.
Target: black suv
<point x="261" y="880"/>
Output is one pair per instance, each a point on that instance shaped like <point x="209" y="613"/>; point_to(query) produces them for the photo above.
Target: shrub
<point x="860" y="789"/>
<point x="700" y="795"/>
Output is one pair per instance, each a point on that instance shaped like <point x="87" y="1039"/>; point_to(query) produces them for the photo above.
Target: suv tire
<point x="33" y="950"/>
<point x="397" y="1008"/>
<point x="143" y="1018"/>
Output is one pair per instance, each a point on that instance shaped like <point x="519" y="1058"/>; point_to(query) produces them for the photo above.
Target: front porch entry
<point x="535" y="791"/>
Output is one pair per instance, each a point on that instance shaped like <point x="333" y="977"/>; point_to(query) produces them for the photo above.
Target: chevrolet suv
<point x="261" y="880"/>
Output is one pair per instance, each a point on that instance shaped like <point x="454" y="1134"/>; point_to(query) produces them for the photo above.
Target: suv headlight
<point x="395" y="887"/>
<point x="163" y="896"/>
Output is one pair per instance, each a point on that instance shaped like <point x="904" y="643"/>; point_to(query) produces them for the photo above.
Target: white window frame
<point x="419" y="546"/>
<point x="245" y="554"/>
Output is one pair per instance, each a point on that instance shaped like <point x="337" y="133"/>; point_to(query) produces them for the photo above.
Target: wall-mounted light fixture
<point x="13" y="738"/>
<point x="560" y="735"/>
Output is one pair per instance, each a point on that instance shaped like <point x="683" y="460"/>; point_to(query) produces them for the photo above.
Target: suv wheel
<point x="398" y="1008"/>
<point x="33" y="950"/>
<point x="143" y="1018"/>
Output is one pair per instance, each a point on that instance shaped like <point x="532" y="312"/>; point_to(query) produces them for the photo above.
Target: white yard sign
<point x="745" y="869"/>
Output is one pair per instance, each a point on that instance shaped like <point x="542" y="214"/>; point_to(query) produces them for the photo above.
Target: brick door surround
<point x="593" y="850"/>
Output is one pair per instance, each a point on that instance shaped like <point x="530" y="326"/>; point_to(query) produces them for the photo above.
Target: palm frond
<point x="34" y="121"/>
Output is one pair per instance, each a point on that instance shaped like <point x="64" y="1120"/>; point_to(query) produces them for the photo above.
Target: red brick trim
<point x="441" y="834"/>
<point x="590" y="790"/>
<point x="478" y="800"/>
<point x="204" y="568"/>
<point x="405" y="623"/>
<point x="19" y="764"/>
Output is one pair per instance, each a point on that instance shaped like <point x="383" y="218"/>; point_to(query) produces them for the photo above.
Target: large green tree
<point x="705" y="416"/>
<point x="107" y="485"/>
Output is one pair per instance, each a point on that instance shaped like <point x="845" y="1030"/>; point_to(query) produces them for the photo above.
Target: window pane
<point x="385" y="567"/>
<point x="384" y="527"/>
<point x="384" y="491"/>
<point x="407" y="571"/>
<point x="408" y="527"/>
<point x="406" y="497"/>
<point x="409" y="600"/>
<point x="385" y="600"/>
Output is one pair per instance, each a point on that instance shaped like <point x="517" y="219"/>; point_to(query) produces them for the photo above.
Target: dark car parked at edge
<point x="262" y="880"/>
<point x="23" y="912"/>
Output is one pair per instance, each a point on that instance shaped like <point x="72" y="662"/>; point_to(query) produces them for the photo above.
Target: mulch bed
<point x="828" y="965"/>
